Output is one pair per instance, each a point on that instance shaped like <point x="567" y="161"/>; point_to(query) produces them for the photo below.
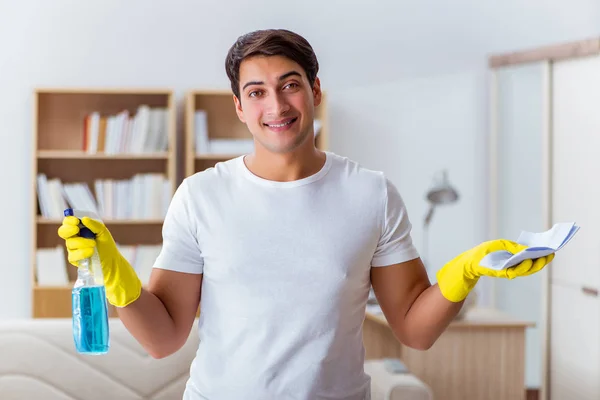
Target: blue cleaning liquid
<point x="90" y="323"/>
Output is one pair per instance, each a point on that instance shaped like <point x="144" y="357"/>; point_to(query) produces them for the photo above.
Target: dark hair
<point x="270" y="42"/>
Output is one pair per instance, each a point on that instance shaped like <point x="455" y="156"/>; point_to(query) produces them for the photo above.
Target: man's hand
<point x="120" y="279"/>
<point x="459" y="276"/>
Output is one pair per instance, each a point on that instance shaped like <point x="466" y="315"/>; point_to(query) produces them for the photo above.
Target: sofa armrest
<point x="395" y="386"/>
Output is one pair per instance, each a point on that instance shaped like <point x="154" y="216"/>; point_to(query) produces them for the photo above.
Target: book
<point x="51" y="266"/>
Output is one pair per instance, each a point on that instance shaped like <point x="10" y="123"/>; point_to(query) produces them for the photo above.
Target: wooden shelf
<point x="61" y="305"/>
<point x="120" y="91"/>
<point x="55" y="302"/>
<point x="45" y="221"/>
<point x="80" y="155"/>
<point x="68" y="286"/>
<point x="60" y="119"/>
<point x="216" y="156"/>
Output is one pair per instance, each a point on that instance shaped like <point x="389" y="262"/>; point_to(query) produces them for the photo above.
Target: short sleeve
<point x="180" y="250"/>
<point x="395" y="243"/>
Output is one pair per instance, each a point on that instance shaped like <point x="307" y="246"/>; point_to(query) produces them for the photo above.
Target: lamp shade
<point x="442" y="192"/>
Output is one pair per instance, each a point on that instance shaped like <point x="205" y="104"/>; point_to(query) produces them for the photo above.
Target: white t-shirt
<point x="285" y="276"/>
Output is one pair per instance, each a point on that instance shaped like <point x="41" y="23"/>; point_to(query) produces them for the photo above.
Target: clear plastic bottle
<point x="89" y="305"/>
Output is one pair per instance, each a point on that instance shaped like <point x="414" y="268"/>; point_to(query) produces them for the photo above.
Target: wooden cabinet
<point x="479" y="357"/>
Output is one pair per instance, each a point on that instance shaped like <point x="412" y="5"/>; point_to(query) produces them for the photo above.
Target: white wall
<point x="411" y="129"/>
<point x="411" y="75"/>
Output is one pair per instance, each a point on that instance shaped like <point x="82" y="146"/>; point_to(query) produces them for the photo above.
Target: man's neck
<point x="285" y="167"/>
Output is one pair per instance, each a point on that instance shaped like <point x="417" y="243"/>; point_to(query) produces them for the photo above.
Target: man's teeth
<point x="280" y="125"/>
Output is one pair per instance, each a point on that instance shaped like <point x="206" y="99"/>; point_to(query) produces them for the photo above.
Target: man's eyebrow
<point x="288" y="74"/>
<point x="282" y="77"/>
<point x="252" y="83"/>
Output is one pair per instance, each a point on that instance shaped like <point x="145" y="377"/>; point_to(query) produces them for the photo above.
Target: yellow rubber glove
<point x="120" y="279"/>
<point x="459" y="276"/>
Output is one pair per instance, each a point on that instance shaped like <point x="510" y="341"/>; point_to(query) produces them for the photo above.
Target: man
<point x="283" y="246"/>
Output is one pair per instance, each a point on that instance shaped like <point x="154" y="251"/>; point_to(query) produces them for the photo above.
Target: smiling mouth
<point x="283" y="124"/>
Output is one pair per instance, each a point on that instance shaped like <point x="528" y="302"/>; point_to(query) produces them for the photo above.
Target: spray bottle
<point x="89" y="305"/>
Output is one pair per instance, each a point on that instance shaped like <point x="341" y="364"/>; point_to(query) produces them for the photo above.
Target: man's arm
<point x="162" y="317"/>
<point x="415" y="310"/>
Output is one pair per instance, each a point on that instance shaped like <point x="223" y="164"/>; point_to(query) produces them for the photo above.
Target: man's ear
<point x="317" y="91"/>
<point x="238" y="109"/>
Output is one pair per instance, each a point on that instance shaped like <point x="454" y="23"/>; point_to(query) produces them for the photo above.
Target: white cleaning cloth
<point x="539" y="245"/>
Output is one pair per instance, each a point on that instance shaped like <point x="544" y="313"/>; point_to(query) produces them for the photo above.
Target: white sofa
<point x="38" y="361"/>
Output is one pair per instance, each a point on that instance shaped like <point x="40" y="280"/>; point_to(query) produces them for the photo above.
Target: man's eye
<point x="291" y="85"/>
<point x="254" y="93"/>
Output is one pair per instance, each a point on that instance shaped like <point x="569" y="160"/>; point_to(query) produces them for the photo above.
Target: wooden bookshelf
<point x="223" y="123"/>
<point x="59" y="151"/>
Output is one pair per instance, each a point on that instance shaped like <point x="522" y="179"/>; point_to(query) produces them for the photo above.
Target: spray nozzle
<point x="84" y="231"/>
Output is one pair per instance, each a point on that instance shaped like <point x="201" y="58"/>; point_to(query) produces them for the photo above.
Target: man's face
<point x="277" y="102"/>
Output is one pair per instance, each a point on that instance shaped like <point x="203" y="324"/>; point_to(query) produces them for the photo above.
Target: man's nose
<point x="278" y="105"/>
